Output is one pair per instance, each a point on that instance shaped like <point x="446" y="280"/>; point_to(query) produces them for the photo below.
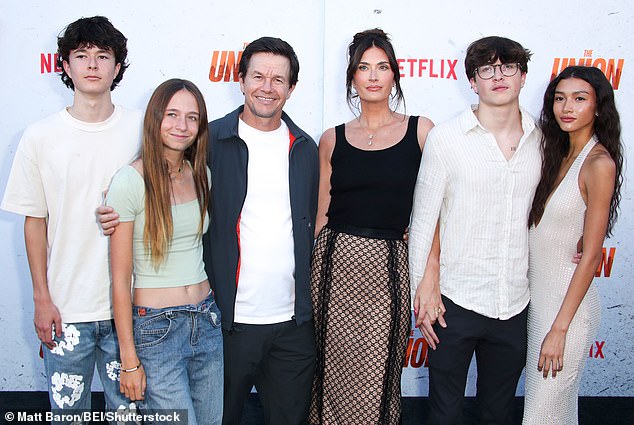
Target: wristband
<point x="133" y="369"/>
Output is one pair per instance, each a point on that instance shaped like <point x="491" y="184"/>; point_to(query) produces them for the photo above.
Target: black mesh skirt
<point x="361" y="306"/>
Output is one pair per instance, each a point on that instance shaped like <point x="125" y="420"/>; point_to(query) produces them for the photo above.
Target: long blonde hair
<point x="159" y="227"/>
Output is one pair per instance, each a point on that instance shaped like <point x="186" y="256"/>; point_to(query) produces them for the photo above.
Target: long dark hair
<point x="555" y="142"/>
<point x="361" y="42"/>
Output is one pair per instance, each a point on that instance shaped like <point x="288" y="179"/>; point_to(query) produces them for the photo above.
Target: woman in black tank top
<point x="360" y="279"/>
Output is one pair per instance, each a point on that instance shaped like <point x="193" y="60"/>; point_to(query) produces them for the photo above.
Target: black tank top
<point x="374" y="189"/>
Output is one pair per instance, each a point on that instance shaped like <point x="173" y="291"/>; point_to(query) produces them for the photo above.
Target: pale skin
<point x="179" y="128"/>
<point x="498" y="111"/>
<point x="574" y="107"/>
<point x="373" y="81"/>
<point x="92" y="71"/>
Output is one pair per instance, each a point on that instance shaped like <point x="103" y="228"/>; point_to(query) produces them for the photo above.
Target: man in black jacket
<point x="265" y="175"/>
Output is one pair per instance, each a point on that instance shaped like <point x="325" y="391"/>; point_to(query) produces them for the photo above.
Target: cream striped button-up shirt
<point x="483" y="202"/>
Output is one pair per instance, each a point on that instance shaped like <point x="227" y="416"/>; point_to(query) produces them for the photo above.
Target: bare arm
<point x="326" y="146"/>
<point x="46" y="314"/>
<point x="428" y="305"/>
<point x="132" y="384"/>
<point x="597" y="184"/>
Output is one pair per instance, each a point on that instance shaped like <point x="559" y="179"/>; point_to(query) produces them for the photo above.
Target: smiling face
<point x="180" y="123"/>
<point x="374" y="78"/>
<point x="575" y="105"/>
<point x="92" y="69"/>
<point x="499" y="90"/>
<point x="266" y="89"/>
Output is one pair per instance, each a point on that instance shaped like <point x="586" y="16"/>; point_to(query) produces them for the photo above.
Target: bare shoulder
<point x="425" y="123"/>
<point x="327" y="142"/>
<point x="599" y="163"/>
<point x="597" y="175"/>
<point x="424" y="127"/>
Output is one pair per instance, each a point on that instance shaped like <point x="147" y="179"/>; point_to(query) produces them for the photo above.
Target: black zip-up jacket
<point x="227" y="158"/>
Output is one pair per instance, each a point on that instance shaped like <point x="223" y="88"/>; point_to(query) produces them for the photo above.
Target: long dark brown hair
<point x="361" y="42"/>
<point x="555" y="142"/>
<point x="159" y="226"/>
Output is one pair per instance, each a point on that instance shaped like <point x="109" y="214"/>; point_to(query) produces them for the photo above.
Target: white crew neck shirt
<point x="266" y="281"/>
<point x="61" y="168"/>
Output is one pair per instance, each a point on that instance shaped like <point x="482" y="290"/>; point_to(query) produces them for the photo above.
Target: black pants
<point x="279" y="359"/>
<point x="500" y="349"/>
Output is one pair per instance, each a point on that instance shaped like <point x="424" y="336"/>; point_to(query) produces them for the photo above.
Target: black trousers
<point x="279" y="359"/>
<point x="500" y="350"/>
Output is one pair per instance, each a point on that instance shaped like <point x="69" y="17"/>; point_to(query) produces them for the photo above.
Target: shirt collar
<point x="468" y="121"/>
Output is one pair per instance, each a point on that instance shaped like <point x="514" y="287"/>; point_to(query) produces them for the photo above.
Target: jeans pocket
<point x="214" y="315"/>
<point x="151" y="331"/>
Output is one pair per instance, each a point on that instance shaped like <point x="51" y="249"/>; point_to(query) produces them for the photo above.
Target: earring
<point x="596" y="114"/>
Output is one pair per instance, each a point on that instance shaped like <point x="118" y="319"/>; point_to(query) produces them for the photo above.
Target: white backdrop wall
<point x="199" y="40"/>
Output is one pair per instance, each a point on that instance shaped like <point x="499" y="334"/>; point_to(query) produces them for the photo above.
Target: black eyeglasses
<point x="486" y="72"/>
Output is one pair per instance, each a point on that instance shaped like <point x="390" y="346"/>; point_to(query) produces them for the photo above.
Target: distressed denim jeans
<point x="70" y="366"/>
<point x="181" y="351"/>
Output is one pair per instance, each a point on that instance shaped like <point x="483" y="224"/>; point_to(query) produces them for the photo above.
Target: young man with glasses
<point x="477" y="180"/>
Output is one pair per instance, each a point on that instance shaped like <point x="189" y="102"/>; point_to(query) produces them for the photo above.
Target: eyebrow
<point x="256" y="72"/>
<point x="178" y="110"/>
<point x="378" y="63"/>
<point x="85" y="49"/>
<point x="574" y="92"/>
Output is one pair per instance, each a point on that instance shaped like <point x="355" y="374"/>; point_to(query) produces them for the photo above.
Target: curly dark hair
<point x="555" y="143"/>
<point x="273" y="45"/>
<point x="361" y="42"/>
<point x="489" y="49"/>
<point x="88" y="32"/>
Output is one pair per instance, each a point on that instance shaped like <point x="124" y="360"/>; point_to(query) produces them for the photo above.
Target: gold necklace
<point x="177" y="175"/>
<point x="371" y="135"/>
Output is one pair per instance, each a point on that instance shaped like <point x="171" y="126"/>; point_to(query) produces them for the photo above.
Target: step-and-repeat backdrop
<point x="202" y="41"/>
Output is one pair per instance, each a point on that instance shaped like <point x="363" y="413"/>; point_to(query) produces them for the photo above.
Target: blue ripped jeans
<point x="181" y="351"/>
<point x="70" y="366"/>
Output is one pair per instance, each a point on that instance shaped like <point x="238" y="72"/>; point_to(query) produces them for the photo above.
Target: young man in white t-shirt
<point x="62" y="165"/>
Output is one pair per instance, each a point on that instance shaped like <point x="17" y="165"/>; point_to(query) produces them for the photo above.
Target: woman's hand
<point x="429" y="308"/>
<point x="133" y="383"/>
<point x="551" y="356"/>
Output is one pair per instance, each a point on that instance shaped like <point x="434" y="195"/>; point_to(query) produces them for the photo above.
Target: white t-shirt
<point x="266" y="281"/>
<point x="61" y="168"/>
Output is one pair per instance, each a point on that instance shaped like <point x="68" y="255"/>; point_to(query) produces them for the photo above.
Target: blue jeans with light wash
<point x="181" y="351"/>
<point x="71" y="364"/>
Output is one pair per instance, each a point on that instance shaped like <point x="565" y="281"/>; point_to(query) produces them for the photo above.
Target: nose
<point x="181" y="122"/>
<point x="373" y="74"/>
<point x="92" y="62"/>
<point x="497" y="72"/>
<point x="267" y="84"/>
<point x="567" y="105"/>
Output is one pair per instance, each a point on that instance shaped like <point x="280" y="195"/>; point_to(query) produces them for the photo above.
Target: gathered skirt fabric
<point x="361" y="306"/>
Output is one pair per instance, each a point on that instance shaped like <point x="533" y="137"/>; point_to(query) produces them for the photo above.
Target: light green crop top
<point x="183" y="264"/>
